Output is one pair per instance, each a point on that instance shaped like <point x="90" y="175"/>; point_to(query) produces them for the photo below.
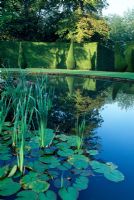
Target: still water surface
<point x="108" y="109"/>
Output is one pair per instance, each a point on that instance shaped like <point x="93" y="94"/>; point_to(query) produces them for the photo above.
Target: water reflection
<point x="78" y="151"/>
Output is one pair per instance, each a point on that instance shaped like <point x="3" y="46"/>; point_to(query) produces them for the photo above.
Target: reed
<point x="80" y="130"/>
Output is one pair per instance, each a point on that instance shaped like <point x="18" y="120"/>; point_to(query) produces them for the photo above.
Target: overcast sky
<point x="118" y="6"/>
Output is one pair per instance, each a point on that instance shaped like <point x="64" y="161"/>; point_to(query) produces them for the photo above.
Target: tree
<point x="122" y="27"/>
<point x="83" y="21"/>
<point x="40" y="20"/>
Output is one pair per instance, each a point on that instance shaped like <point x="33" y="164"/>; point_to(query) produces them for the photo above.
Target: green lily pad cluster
<point x="61" y="164"/>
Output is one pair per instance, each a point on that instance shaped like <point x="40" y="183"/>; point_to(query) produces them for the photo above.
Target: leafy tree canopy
<point x="49" y="20"/>
<point x="122" y="27"/>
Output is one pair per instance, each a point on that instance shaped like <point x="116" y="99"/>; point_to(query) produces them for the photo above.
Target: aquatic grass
<point x="80" y="129"/>
<point x="20" y="156"/>
<point x="5" y="105"/>
<point x="43" y="105"/>
<point x="23" y="115"/>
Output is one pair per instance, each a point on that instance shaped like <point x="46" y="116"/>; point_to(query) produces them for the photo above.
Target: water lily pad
<point x="49" y="151"/>
<point x="53" y="174"/>
<point x="43" y="177"/>
<point x="65" y="152"/>
<point x="81" y="183"/>
<point x="61" y="182"/>
<point x="8" y="187"/>
<point x="47" y="195"/>
<point x="79" y="151"/>
<point x="28" y="179"/>
<point x="70" y="193"/>
<point x="73" y="140"/>
<point x="5" y="157"/>
<point x="114" y="175"/>
<point x="82" y="172"/>
<point x="26" y="195"/>
<point x="93" y="152"/>
<point x="65" y="166"/>
<point x="108" y="169"/>
<point x="52" y="161"/>
<point x="3" y="171"/>
<point x="39" y="166"/>
<point x="62" y="137"/>
<point x="79" y="161"/>
<point x="39" y="186"/>
<point x="98" y="166"/>
<point x="62" y="146"/>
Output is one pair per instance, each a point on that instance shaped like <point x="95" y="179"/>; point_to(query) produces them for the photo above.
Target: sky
<point x="118" y="6"/>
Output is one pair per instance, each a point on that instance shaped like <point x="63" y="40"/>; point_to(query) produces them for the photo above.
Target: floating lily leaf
<point x="62" y="137"/>
<point x="109" y="171"/>
<point x="27" y="180"/>
<point x="34" y="142"/>
<point x="53" y="174"/>
<point x="83" y="172"/>
<point x="49" y="151"/>
<point x="51" y="160"/>
<point x="32" y="181"/>
<point x="70" y="193"/>
<point x="65" y="166"/>
<point x="8" y="187"/>
<point x="47" y="195"/>
<point x="62" y="146"/>
<point x="99" y="167"/>
<point x="81" y="183"/>
<point x="26" y="195"/>
<point x="5" y="157"/>
<point x="3" y="171"/>
<point x="73" y="140"/>
<point x="93" y="152"/>
<point x="111" y="165"/>
<point x="65" y="152"/>
<point x="39" y="186"/>
<point x="63" y="182"/>
<point x="43" y="177"/>
<point x="79" y="151"/>
<point x="114" y="175"/>
<point x="79" y="161"/>
<point x="13" y="171"/>
<point x="39" y="166"/>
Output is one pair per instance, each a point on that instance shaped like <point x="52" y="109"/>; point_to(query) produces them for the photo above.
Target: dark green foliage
<point x="105" y="59"/>
<point x="33" y="20"/>
<point x="70" y="62"/>
<point x="21" y="58"/>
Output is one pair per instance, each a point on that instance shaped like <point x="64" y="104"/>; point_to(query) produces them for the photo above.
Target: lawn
<point x="126" y="76"/>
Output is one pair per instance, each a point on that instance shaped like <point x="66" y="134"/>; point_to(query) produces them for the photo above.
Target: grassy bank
<point x="126" y="76"/>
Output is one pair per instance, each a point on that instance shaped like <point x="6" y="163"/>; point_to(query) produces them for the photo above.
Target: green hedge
<point x="129" y="57"/>
<point x="120" y="62"/>
<point x="88" y="56"/>
<point x="124" y="58"/>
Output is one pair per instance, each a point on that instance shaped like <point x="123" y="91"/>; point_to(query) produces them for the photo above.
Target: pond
<point x="66" y="138"/>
